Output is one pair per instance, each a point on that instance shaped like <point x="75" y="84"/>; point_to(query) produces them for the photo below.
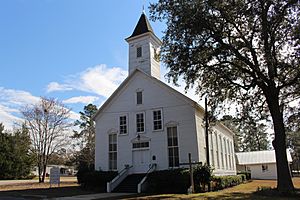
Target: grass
<point x="246" y="191"/>
<point x="35" y="190"/>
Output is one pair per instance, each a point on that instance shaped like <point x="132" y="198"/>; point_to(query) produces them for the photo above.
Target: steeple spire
<point x="143" y="26"/>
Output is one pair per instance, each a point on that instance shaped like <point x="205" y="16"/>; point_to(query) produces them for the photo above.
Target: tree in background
<point x="85" y="158"/>
<point x="250" y="135"/>
<point x="47" y="123"/>
<point x="16" y="159"/>
<point x="239" y="52"/>
<point x="293" y="135"/>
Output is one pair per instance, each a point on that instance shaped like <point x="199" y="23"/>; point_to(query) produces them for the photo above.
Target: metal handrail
<point x="152" y="168"/>
<point x="111" y="185"/>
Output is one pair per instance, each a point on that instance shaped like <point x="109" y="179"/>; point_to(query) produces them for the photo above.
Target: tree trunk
<point x="284" y="180"/>
<point x="40" y="173"/>
<point x="44" y="173"/>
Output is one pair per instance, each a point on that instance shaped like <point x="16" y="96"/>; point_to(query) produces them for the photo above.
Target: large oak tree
<point x="244" y="52"/>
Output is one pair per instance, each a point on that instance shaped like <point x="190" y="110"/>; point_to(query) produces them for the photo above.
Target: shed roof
<point x="258" y="157"/>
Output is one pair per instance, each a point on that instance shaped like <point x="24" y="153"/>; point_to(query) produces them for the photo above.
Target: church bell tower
<point x="144" y="49"/>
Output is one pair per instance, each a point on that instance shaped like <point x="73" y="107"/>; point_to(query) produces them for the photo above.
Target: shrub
<point x="169" y="181"/>
<point x="221" y="182"/>
<point x="202" y="177"/>
<point x="95" y="179"/>
<point x="247" y="174"/>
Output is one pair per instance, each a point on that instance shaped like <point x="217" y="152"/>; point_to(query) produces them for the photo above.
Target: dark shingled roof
<point x="143" y="26"/>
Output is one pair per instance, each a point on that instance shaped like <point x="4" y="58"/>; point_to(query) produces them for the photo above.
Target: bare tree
<point x="47" y="122"/>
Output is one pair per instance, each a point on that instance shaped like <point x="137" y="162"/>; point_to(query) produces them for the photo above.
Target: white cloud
<point x="81" y="99"/>
<point x="99" y="80"/>
<point x="10" y="103"/>
<point x="7" y="118"/>
<point x="54" y="86"/>
<point x="74" y="115"/>
<point x="17" y="97"/>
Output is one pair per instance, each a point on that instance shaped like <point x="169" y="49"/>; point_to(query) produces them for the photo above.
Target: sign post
<point x="54" y="176"/>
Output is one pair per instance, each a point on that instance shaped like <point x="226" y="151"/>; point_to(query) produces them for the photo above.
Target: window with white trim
<point x="221" y="151"/>
<point x="112" y="152"/>
<point x="212" y="150"/>
<point x="173" y="151"/>
<point x="157" y="120"/>
<point x="140" y="145"/>
<point x="140" y="123"/>
<point x="264" y="168"/>
<point x="139" y="52"/>
<point x="217" y="151"/>
<point x="123" y="124"/>
<point x="139" y="97"/>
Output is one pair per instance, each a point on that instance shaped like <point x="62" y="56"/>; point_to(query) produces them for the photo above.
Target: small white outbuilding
<point x="261" y="164"/>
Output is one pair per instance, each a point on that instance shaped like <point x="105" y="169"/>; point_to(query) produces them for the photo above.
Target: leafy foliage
<point x="293" y="138"/>
<point x="244" y="53"/>
<point x="250" y="134"/>
<point x="169" y="181"/>
<point x="221" y="182"/>
<point x="202" y="176"/>
<point x="16" y="159"/>
<point x="85" y="158"/>
<point x="95" y="179"/>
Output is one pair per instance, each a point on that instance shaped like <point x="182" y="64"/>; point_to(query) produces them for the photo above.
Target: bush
<point x="95" y="179"/>
<point x="221" y="182"/>
<point x="247" y="174"/>
<point x="202" y="177"/>
<point x="169" y="181"/>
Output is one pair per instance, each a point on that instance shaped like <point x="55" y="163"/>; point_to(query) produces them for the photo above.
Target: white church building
<point x="146" y="122"/>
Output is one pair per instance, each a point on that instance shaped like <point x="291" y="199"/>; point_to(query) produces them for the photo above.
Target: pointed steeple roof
<point x="143" y="26"/>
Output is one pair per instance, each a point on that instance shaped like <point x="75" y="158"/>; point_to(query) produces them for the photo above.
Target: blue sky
<point x="72" y="50"/>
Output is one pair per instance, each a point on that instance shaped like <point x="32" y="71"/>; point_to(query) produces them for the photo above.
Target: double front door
<point x="140" y="160"/>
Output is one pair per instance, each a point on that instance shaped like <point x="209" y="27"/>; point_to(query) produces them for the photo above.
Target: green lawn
<point x="246" y="191"/>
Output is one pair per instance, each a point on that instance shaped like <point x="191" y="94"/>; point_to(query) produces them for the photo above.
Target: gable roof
<point x="259" y="157"/>
<point x="143" y="26"/>
<point x="162" y="84"/>
<point x="124" y="83"/>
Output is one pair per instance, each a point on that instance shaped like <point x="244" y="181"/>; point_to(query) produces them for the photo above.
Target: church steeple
<point x="143" y="26"/>
<point x="144" y="47"/>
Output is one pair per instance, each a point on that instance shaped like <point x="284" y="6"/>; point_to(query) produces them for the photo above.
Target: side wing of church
<point x="147" y="122"/>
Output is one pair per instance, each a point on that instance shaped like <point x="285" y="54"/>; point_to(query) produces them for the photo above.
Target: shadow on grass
<point x="40" y="193"/>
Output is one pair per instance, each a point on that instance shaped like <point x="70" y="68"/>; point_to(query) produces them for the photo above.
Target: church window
<point x="123" y="124"/>
<point x="139" y="52"/>
<point x="221" y="151"/>
<point x="140" y="145"/>
<point x="212" y="150"/>
<point x="225" y="153"/>
<point x="173" y="151"/>
<point x="157" y="120"/>
<point x="112" y="152"/>
<point x="217" y="151"/>
<point x="139" y="97"/>
<point x="140" y="123"/>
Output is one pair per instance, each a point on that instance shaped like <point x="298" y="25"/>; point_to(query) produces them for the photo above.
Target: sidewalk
<point x="95" y="196"/>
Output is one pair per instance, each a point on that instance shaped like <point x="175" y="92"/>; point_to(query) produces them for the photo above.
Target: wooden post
<point x="191" y="173"/>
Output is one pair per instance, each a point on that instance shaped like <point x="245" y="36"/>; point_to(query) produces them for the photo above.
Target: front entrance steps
<point x="130" y="184"/>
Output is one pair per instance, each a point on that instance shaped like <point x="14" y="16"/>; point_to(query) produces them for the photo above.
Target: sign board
<point x="54" y="176"/>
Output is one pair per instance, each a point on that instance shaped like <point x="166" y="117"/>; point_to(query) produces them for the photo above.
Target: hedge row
<point x="221" y="182"/>
<point x="168" y="181"/>
<point x="95" y="179"/>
